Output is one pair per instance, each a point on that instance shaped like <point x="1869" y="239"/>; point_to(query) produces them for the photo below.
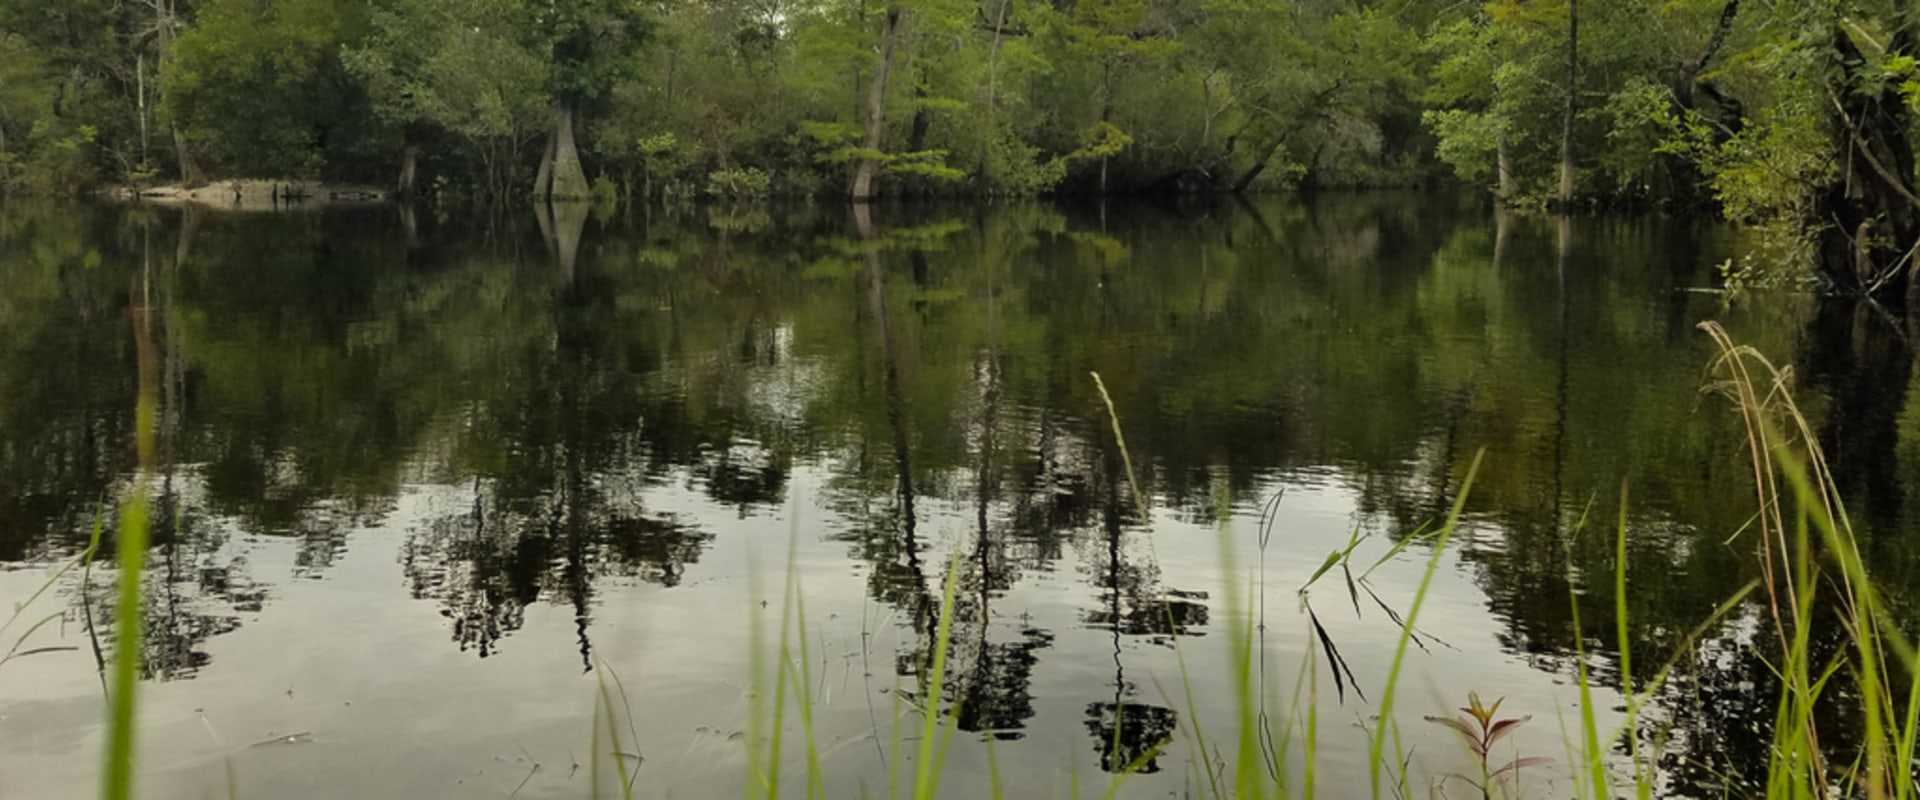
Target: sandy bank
<point x="255" y="195"/>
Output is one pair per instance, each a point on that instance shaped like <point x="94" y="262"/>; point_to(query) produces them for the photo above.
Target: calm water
<point x="426" y="482"/>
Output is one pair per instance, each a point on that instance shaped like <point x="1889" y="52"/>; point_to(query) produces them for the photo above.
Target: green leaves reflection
<point x="548" y="387"/>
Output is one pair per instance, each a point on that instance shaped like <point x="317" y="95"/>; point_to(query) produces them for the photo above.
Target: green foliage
<point x="452" y="75"/>
<point x="259" y="86"/>
<point x="746" y="183"/>
<point x="1103" y="140"/>
<point x="451" y="65"/>
<point x="1640" y="114"/>
<point x="56" y="103"/>
<point x="1015" y="167"/>
<point x="605" y="192"/>
<point x="1767" y="175"/>
<point x="1680" y="102"/>
<point x="829" y="134"/>
<point x="1480" y="729"/>
<point x="1763" y="112"/>
<point x="1468" y="141"/>
<point x="655" y="146"/>
<point x="1769" y="170"/>
<point x="995" y="96"/>
<point x="925" y="163"/>
<point x="1114" y="29"/>
<point x="589" y="44"/>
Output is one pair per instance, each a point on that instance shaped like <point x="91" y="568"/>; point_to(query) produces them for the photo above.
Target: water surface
<point x="426" y="482"/>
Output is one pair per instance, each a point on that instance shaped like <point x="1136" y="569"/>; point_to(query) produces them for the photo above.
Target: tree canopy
<point x="1796" y="117"/>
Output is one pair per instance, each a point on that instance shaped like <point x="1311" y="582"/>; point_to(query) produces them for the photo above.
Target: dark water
<point x="425" y="483"/>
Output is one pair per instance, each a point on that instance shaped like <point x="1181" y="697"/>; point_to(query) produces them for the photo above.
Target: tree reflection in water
<point x="561" y="380"/>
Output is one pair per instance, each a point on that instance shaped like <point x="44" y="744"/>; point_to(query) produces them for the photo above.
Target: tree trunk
<point x="993" y="57"/>
<point x="1721" y="30"/>
<point x="409" y="224"/>
<point x="560" y="175"/>
<point x="190" y="174"/>
<point x="1317" y="105"/>
<point x="561" y="223"/>
<point x="569" y="178"/>
<point x="1247" y="178"/>
<point x="1573" y="104"/>
<point x="1872" y="205"/>
<point x="917" y="134"/>
<point x="1206" y="111"/>
<point x="993" y="101"/>
<point x="140" y="103"/>
<point x="409" y="163"/>
<point x="868" y="168"/>
<point x="891" y="379"/>
<point x="165" y="23"/>
<point x="189" y="229"/>
<point x="1106" y="112"/>
<point x="1502" y="224"/>
<point x="673" y="67"/>
<point x="1683" y="178"/>
<point x="543" y="174"/>
<point x="1506" y="189"/>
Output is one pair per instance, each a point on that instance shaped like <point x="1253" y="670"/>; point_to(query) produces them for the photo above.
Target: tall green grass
<point x="790" y="685"/>
<point x="1810" y="560"/>
<point x="1809" y="557"/>
<point x="129" y="621"/>
<point x="122" y="703"/>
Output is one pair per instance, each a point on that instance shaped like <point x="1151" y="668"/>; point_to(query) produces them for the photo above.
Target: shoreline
<point x="252" y="195"/>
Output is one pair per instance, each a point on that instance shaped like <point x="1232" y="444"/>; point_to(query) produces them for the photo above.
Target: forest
<point x="1794" y="118"/>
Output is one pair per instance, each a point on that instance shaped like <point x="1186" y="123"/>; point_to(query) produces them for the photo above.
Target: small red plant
<point x="1477" y="726"/>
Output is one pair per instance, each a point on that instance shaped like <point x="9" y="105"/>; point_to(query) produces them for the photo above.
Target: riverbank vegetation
<point x="1797" y="116"/>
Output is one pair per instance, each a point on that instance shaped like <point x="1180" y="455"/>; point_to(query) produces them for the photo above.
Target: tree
<point x="1806" y="133"/>
<point x="65" y="55"/>
<point x="1573" y="103"/>
<point x="1313" y="87"/>
<point x="451" y="72"/>
<point x="261" y="86"/>
<point x="892" y="30"/>
<point x="1113" y="34"/>
<point x="588" y="46"/>
<point x="167" y="22"/>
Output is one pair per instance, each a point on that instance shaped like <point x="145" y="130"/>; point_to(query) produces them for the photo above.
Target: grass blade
<point x="927" y="776"/>
<point x="1413" y="616"/>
